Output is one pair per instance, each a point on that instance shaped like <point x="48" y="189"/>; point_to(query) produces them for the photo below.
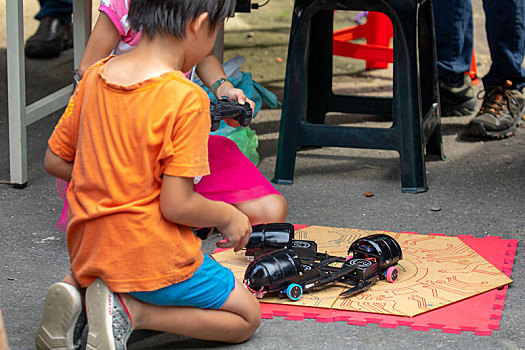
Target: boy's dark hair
<point x="171" y="16"/>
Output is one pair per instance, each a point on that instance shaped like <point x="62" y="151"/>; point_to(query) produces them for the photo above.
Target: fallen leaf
<point x="368" y="194"/>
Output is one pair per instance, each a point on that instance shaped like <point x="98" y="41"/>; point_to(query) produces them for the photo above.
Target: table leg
<point x="16" y="93"/>
<point x="81" y="28"/>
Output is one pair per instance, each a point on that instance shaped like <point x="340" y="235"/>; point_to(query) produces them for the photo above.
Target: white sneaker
<point x="108" y="320"/>
<point x="62" y="308"/>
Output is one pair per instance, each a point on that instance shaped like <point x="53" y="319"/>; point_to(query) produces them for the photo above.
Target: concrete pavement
<point x="479" y="190"/>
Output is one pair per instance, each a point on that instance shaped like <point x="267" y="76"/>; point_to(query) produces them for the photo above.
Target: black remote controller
<point x="224" y="109"/>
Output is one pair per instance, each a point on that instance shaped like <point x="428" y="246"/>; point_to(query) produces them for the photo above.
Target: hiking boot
<point x="457" y="100"/>
<point x="51" y="38"/>
<point x="501" y="112"/>
<point x="108" y="319"/>
<point x="61" y="326"/>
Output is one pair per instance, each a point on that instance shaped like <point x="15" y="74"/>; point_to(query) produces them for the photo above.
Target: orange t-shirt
<point x="122" y="139"/>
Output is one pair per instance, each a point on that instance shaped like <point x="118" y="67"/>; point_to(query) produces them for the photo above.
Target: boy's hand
<point x="236" y="232"/>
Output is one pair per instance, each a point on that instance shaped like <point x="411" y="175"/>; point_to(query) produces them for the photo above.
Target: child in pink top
<point x="233" y="179"/>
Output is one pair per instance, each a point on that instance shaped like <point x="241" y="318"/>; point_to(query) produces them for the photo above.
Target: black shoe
<point x="457" y="100"/>
<point x="501" y="112"/>
<point x="51" y="38"/>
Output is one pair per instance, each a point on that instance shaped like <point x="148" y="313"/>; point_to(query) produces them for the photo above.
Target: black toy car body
<point x="266" y="238"/>
<point x="283" y="271"/>
<point x="269" y="237"/>
<point x="373" y="258"/>
<point x="224" y="109"/>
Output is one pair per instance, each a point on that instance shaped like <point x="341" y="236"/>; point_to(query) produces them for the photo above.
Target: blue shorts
<point x="208" y="288"/>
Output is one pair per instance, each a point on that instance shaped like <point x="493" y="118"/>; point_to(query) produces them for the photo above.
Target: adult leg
<point x="454" y="43"/>
<point x="61" y="9"/>
<point x="54" y="33"/>
<point x="503" y="104"/>
<point x="505" y="26"/>
<point x="454" y="33"/>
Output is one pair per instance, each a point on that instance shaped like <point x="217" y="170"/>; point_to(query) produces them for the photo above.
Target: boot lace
<point x="497" y="100"/>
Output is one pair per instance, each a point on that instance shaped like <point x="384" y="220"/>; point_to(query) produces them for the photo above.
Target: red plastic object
<point x="473" y="69"/>
<point x="480" y="314"/>
<point x="377" y="52"/>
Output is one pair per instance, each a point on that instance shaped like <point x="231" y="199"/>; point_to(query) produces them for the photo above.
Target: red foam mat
<point x="480" y="314"/>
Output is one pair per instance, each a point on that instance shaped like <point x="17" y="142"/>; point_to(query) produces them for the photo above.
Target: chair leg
<point x="407" y="111"/>
<point x="320" y="66"/>
<point x="294" y="98"/>
<point x="286" y="151"/>
<point x="430" y="89"/>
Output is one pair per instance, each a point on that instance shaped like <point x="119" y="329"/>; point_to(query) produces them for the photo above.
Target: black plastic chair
<point x="308" y="94"/>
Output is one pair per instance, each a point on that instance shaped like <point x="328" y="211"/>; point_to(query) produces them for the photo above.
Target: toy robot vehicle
<point x="285" y="272"/>
<point x="224" y="109"/>
<point x="375" y="257"/>
<point x="266" y="238"/>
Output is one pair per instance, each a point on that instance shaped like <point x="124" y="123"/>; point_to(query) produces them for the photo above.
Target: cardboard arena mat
<point x="451" y="283"/>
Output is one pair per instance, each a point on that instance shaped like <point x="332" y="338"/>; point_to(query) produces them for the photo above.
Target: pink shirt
<point x="117" y="10"/>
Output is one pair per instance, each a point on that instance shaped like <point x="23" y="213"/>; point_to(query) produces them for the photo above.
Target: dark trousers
<point x="61" y="9"/>
<point x="505" y="27"/>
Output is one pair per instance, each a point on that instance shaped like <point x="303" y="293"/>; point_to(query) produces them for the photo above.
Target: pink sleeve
<point x="117" y="10"/>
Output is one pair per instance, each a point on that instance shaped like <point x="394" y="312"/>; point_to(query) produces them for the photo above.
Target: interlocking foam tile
<point x="480" y="314"/>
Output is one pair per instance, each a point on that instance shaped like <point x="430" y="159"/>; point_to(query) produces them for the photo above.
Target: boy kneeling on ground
<point x="131" y="140"/>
